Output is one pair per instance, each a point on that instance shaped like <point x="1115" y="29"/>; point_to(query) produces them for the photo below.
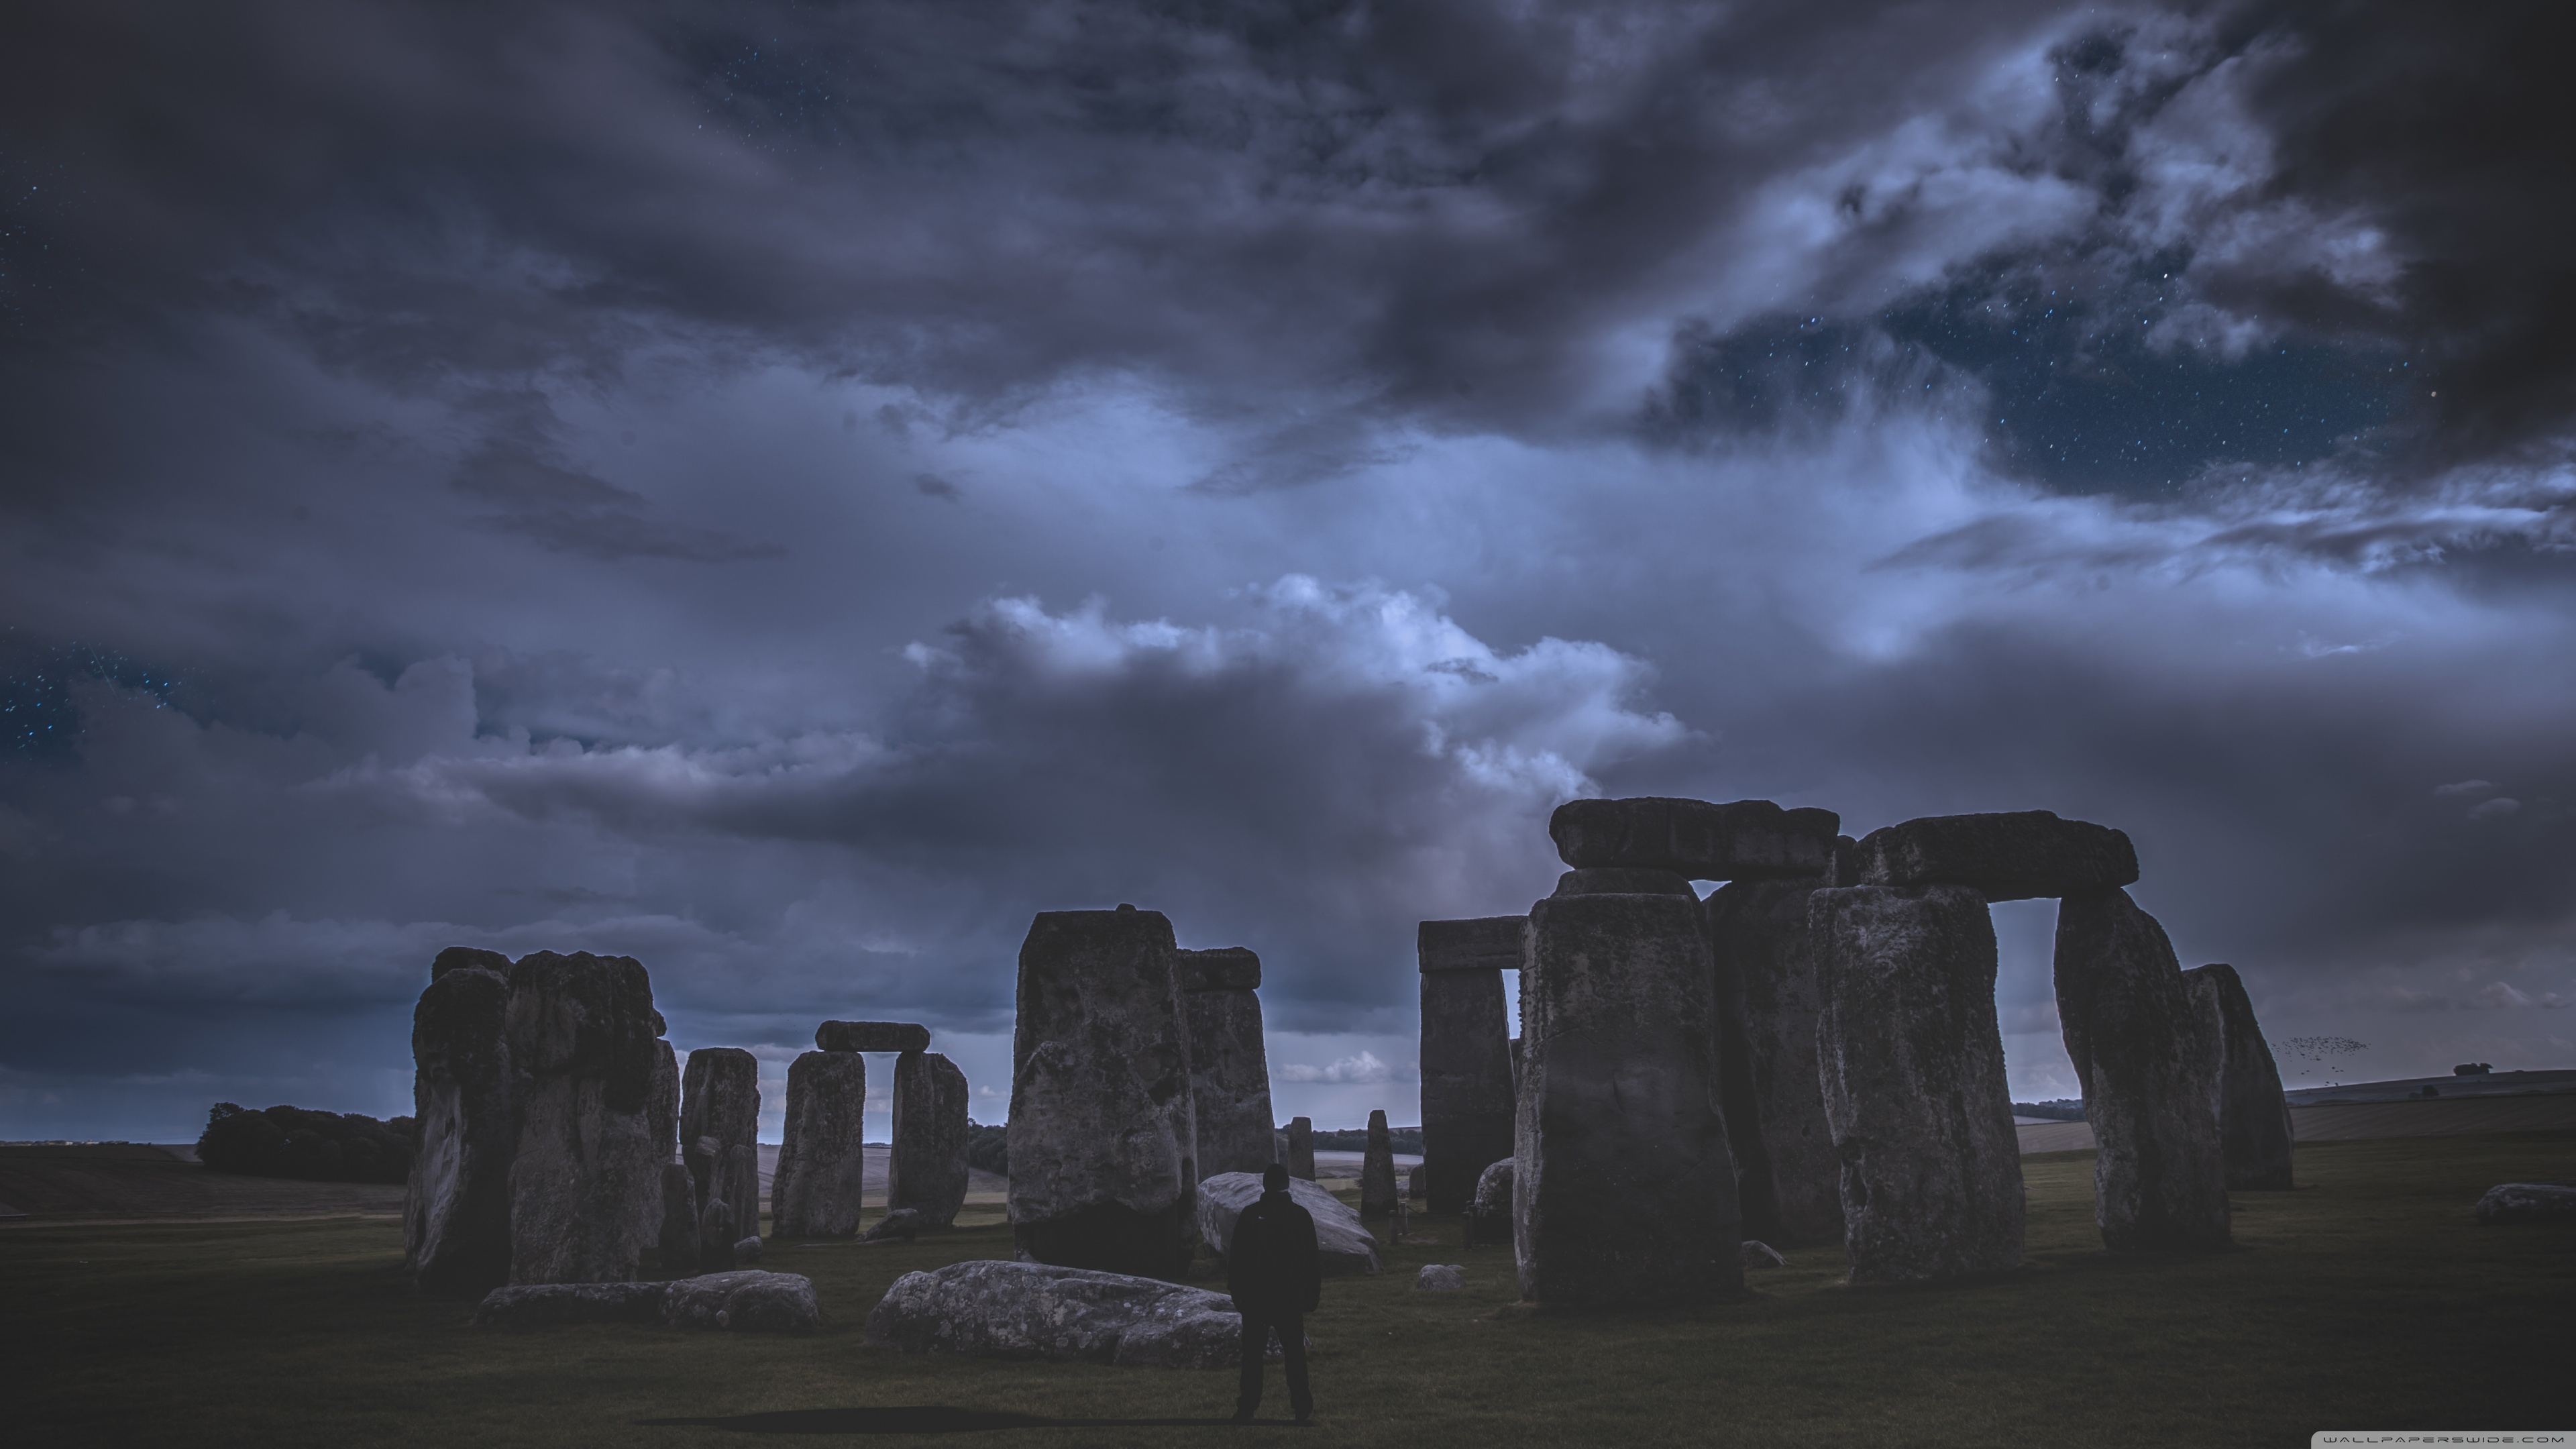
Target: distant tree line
<point x="2061" y="1110"/>
<point x="988" y="1149"/>
<point x="1407" y="1140"/>
<point x="300" y="1142"/>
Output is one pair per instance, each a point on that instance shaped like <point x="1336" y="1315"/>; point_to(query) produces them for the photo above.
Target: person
<point x="1276" y="1276"/>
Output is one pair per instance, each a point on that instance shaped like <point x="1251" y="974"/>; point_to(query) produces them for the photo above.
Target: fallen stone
<point x="746" y="1251"/>
<point x="926" y="1169"/>
<point x="1042" y="1311"/>
<point x="872" y="1036"/>
<point x="456" y="1208"/>
<point x="1440" y="1278"/>
<point x="1377" y="1170"/>
<point x="1787" y="1176"/>
<point x="1482" y="943"/>
<point x="902" y="1225"/>
<point x="1625" y="1188"/>
<point x="1757" y="1254"/>
<point x="822" y="1164"/>
<point x="1343" y="1244"/>
<point x="679" y="1232"/>
<point x="743" y="1302"/>
<point x="2528" y="1202"/>
<point x="545" y="1305"/>
<point x="583" y="1056"/>
<point x="1624" y="880"/>
<point x="1912" y="1063"/>
<point x="1102" y="1139"/>
<point x="2148" y="1062"/>
<point x="2009" y="856"/>
<point x="1301" y="1148"/>
<point x="2253" y="1113"/>
<point x="1738" y="841"/>
<point x="720" y="1104"/>
<point x="1229" y="1063"/>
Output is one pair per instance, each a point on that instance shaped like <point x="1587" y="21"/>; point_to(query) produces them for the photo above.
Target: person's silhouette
<point x="1276" y="1277"/>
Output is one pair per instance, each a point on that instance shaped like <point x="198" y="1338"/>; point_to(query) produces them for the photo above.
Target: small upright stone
<point x="583" y="1051"/>
<point x="2253" y="1112"/>
<point x="1301" y="1148"/>
<point x="715" y="1234"/>
<point x="926" y="1170"/>
<point x="2149" y="1065"/>
<point x="1912" y="1063"/>
<point x="1377" y="1170"/>
<point x="2009" y="856"/>
<point x="720" y="1105"/>
<point x="679" y="1233"/>
<point x="822" y="1160"/>
<point x="1693" y="838"/>
<point x="872" y="1036"/>
<point x="456" y="1210"/>
<point x="1102" y="1136"/>
<point x="1229" y="1064"/>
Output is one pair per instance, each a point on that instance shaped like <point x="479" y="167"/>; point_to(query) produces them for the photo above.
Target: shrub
<point x="300" y="1142"/>
<point x="988" y="1148"/>
<point x="2061" y="1110"/>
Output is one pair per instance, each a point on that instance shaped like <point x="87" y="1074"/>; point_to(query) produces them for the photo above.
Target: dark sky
<point x="787" y="491"/>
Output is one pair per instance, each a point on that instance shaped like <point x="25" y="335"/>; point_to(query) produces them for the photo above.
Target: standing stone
<point x="2010" y="856"/>
<point x="1301" y="1148"/>
<point x="822" y="1164"/>
<point x="926" y="1172"/>
<point x="1624" y="1190"/>
<point x="1787" y="1175"/>
<point x="742" y="1187"/>
<point x="1467" y="1100"/>
<point x="1229" y="1066"/>
<point x="1415" y="1182"/>
<point x="715" y="1226"/>
<point x="2253" y="1115"/>
<point x="1102" y="1138"/>
<point x="456" y="1211"/>
<point x="2149" y="1065"/>
<point x="1377" y="1170"/>
<point x="679" y="1230"/>
<point x="583" y="1054"/>
<point x="662" y="1121"/>
<point x="1912" y="1063"/>
<point x="1694" y="839"/>
<point x="720" y="1108"/>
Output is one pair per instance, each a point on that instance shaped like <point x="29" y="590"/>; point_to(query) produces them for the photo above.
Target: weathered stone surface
<point x="1377" y="1170"/>
<point x="1480" y="943"/>
<point x="2149" y="1065"/>
<point x="1440" y="1278"/>
<point x="872" y="1036"/>
<point x="715" y="1234"/>
<point x="720" y="1103"/>
<point x="1341" y="1241"/>
<point x="1103" y="1141"/>
<point x="662" y="1124"/>
<point x="926" y="1170"/>
<point x="821" y="1165"/>
<point x="1038" y="1310"/>
<point x="583" y="1057"/>
<point x="1738" y="841"/>
<point x="1912" y="1063"/>
<point x="1754" y="1253"/>
<point x="741" y="1181"/>
<point x="1414" y="1182"/>
<point x="467" y="958"/>
<point x="545" y="1305"/>
<point x="2528" y="1202"/>
<point x="1494" y="1187"/>
<point x="679" y="1230"/>
<point x="456" y="1210"/>
<point x="1623" y="880"/>
<point x="1787" y="1176"/>
<point x="743" y="1302"/>
<point x="1465" y="1055"/>
<point x="1846" y="868"/>
<point x="1301" y="1148"/>
<point x="747" y="1251"/>
<point x="899" y="1226"/>
<point x="2010" y="856"/>
<point x="1624" y="1189"/>
<point x="2253" y="1114"/>
<point x="1229" y="1062"/>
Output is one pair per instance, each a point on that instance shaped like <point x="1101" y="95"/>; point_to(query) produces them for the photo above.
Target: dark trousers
<point x="1257" y="1326"/>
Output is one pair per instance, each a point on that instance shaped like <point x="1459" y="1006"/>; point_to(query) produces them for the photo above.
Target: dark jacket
<point x="1271" y="1265"/>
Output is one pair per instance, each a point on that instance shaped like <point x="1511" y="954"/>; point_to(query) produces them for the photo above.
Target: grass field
<point x="2368" y="1299"/>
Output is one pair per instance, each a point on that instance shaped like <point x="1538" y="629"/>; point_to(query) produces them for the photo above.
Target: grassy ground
<point x="2369" y="1299"/>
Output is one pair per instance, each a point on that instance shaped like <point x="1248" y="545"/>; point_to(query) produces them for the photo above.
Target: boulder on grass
<point x="1440" y="1278"/>
<point x="743" y="1302"/>
<point x="747" y="1251"/>
<point x="1037" y="1310"/>
<point x="541" y="1305"/>
<point x="2528" y="1202"/>
<point x="1340" y="1241"/>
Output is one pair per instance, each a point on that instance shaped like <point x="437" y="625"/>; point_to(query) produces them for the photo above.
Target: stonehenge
<point x="1229" y="1067"/>
<point x="821" y="1167"/>
<point x="582" y="1044"/>
<point x="2253" y="1114"/>
<point x="926" y="1171"/>
<point x="456" y="1213"/>
<point x="1693" y="838"/>
<point x="2149" y="1063"/>
<point x="2011" y="856"/>
<point x="720" y="1109"/>
<point x="1467" y="1113"/>
<point x="1912" y="1066"/>
<point x="1102" y="1137"/>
